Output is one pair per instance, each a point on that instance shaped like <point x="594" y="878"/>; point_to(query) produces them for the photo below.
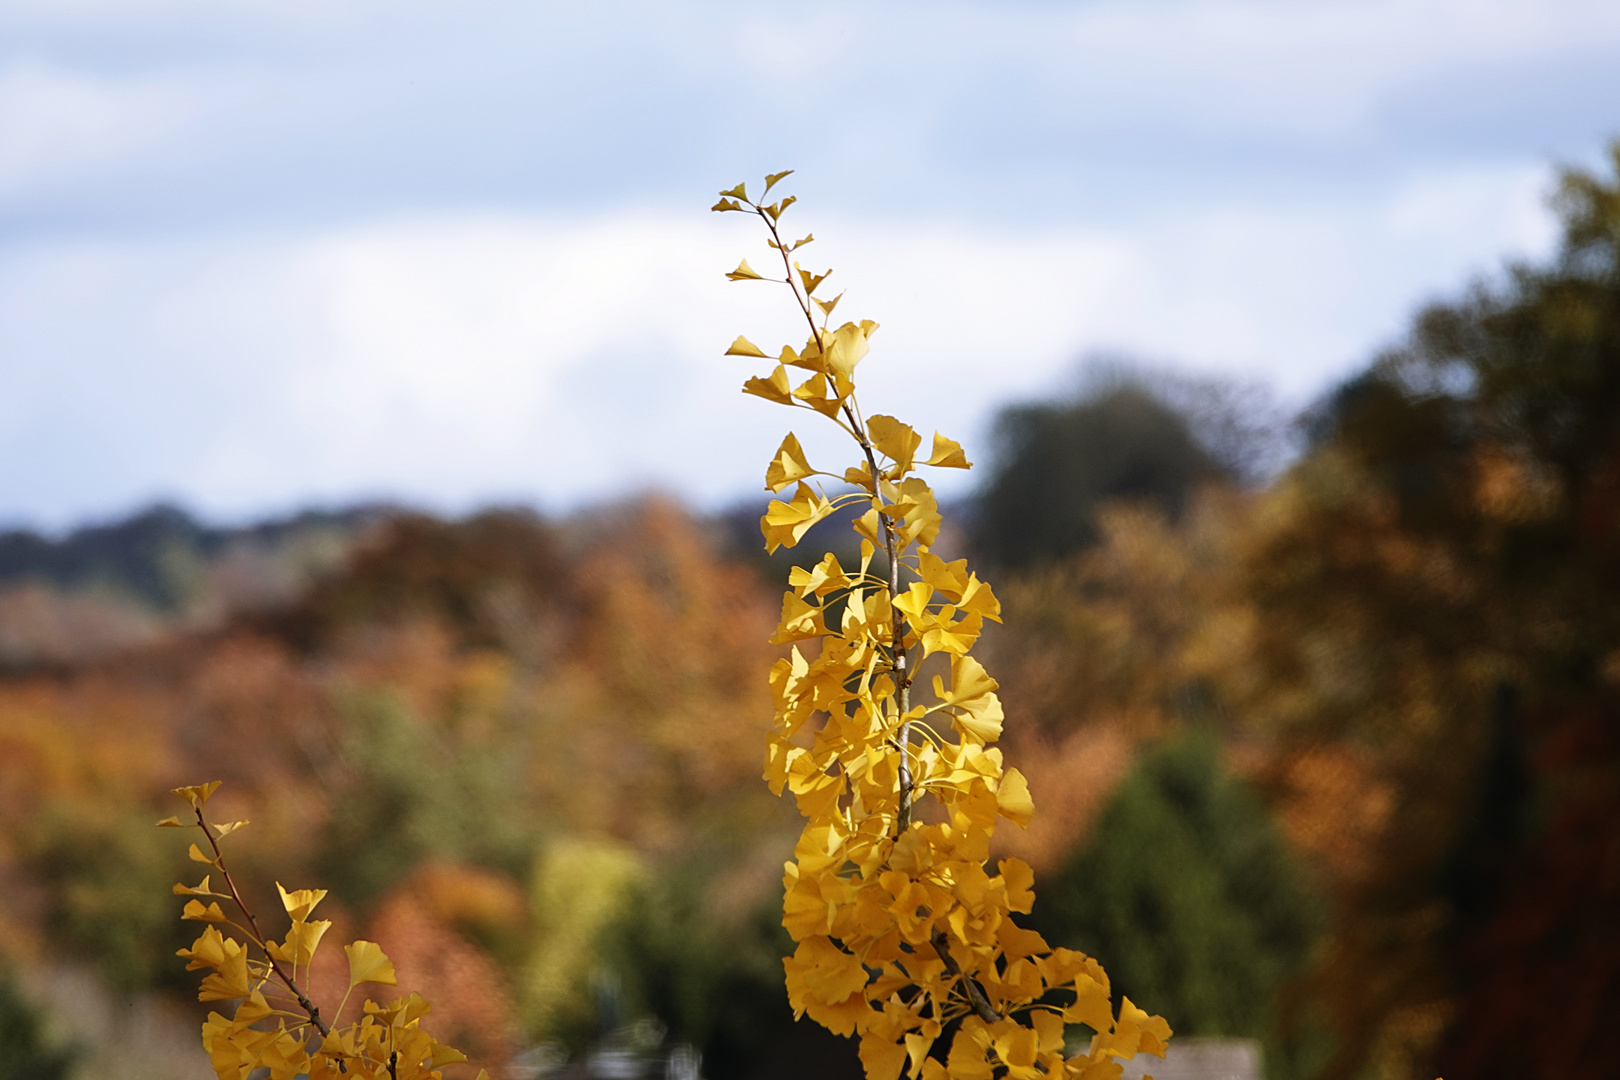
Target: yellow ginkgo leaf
<point x="827" y="306"/>
<point x="202" y="889"/>
<point x="222" y="831"/>
<point x="300" y="902"/>
<point x="882" y="1058"/>
<point x="771" y="179"/>
<point x="197" y="855"/>
<point x="743" y="347"/>
<point x="229" y="980"/>
<point x="972" y="695"/>
<point x="195" y="911"/>
<point x="744" y="272"/>
<point x="785" y="523"/>
<point x="1012" y="798"/>
<point x="210" y="950"/>
<point x="947" y="454"/>
<point x="824" y="577"/>
<point x="448" y="1055"/>
<point x="172" y="823"/>
<point x="738" y="192"/>
<point x="303" y="938"/>
<point x="894" y="440"/>
<point x="1018" y="879"/>
<point x="775" y="388"/>
<point x="787" y="466"/>
<point x="367" y="963"/>
<point x="799" y="621"/>
<point x="251" y="1011"/>
<point x="809" y="280"/>
<point x="814" y="393"/>
<point x="914" y="601"/>
<point x="922" y="520"/>
<point x="842" y="350"/>
<point x="197" y="794"/>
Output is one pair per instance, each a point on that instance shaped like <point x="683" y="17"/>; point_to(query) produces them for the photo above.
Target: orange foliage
<point x="470" y="1008"/>
<point x="627" y="632"/>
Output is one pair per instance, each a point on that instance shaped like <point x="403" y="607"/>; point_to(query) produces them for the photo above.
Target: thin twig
<point x="258" y="935"/>
<point x="975" y="992"/>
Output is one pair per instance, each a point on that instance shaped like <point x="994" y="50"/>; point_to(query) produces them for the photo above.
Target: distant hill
<point x="104" y="589"/>
<point x="159" y="557"/>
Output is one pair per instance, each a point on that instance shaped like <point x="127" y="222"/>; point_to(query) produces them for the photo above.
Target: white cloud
<point x="630" y="93"/>
<point x="264" y="252"/>
<point x="60" y="127"/>
<point x="472" y="357"/>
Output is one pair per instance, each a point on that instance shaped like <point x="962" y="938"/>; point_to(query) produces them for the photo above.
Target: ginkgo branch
<point x="897" y="652"/>
<point x="257" y="934"/>
<point x="857" y="784"/>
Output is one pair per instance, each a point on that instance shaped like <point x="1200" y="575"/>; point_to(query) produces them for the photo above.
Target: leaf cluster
<point x="904" y="937"/>
<point x="274" y="1025"/>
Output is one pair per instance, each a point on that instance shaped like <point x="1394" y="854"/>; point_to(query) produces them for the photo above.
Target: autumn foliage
<point x="261" y="976"/>
<point x="904" y="936"/>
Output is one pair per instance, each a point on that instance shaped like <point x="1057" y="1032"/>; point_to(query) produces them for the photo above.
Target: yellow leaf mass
<point x="903" y="937"/>
<point x="290" y="1039"/>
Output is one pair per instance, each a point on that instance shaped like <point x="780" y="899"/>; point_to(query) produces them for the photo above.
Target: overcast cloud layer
<point x="258" y="254"/>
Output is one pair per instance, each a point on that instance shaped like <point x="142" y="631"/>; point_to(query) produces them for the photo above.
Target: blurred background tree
<point x="1054" y="464"/>
<point x="1188" y="887"/>
<point x="1434" y="585"/>
<point x="1128" y="434"/>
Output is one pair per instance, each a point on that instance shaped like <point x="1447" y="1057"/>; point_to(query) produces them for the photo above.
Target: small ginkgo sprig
<point x="903" y="936"/>
<point x="274" y="1025"/>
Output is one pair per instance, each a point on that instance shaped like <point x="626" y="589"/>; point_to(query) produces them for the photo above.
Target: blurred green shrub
<point x="385" y="821"/>
<point x="26" y="1052"/>
<point x="1187" y="887"/>
<point x="580" y="889"/>
<point x="106" y="880"/>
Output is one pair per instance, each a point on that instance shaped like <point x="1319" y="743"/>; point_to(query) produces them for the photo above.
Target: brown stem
<point x="897" y="647"/>
<point x="258" y="935"/>
<point x="897" y="650"/>
<point x="975" y="992"/>
<point x="787" y="266"/>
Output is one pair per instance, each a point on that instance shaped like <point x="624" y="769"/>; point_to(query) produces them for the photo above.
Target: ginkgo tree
<point x="904" y="936"/>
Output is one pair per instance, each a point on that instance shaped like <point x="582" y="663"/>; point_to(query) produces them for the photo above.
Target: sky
<point x="257" y="255"/>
